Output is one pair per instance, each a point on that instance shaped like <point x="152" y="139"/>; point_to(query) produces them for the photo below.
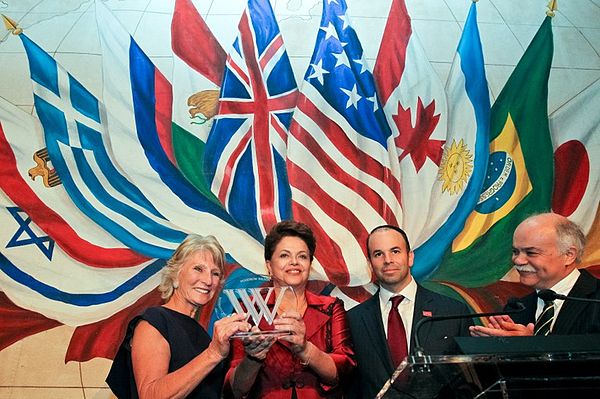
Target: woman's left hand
<point x="293" y="322"/>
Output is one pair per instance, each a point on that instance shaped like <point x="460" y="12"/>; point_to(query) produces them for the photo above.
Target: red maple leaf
<point x="414" y="140"/>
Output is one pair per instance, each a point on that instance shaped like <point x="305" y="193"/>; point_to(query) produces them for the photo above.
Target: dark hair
<point x="388" y="227"/>
<point x="289" y="228"/>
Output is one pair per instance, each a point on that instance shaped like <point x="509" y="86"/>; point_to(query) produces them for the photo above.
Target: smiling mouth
<point x="294" y="271"/>
<point x="525" y="269"/>
<point x="202" y="290"/>
<point x="391" y="270"/>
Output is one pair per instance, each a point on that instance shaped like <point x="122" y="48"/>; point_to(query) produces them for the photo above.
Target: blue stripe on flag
<point x="142" y="83"/>
<point x="83" y="299"/>
<point x="100" y="193"/>
<point x="370" y="124"/>
<point x="226" y="128"/>
<point x="92" y="140"/>
<point x="284" y="190"/>
<point x="44" y="70"/>
<point x="53" y="121"/>
<point x="83" y="101"/>
<point x="245" y="211"/>
<point x="430" y="253"/>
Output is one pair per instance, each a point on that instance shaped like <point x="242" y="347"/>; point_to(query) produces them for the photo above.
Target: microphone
<point x="549" y="295"/>
<point x="513" y="305"/>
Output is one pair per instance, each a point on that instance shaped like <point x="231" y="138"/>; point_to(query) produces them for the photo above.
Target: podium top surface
<point x="563" y="344"/>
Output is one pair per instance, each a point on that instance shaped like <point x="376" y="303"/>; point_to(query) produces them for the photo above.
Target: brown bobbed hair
<point x="289" y="228"/>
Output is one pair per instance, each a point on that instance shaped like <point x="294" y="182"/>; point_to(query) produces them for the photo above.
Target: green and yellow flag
<point x="519" y="177"/>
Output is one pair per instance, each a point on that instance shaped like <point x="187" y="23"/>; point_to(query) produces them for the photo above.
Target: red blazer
<point x="327" y="329"/>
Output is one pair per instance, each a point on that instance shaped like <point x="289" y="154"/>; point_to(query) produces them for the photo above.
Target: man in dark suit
<point x="391" y="258"/>
<point x="546" y="250"/>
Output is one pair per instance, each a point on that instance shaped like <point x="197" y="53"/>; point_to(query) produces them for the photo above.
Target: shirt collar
<point x="564" y="286"/>
<point x="409" y="292"/>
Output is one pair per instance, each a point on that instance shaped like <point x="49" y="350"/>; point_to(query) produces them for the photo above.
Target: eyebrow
<point x="390" y="249"/>
<point x="526" y="248"/>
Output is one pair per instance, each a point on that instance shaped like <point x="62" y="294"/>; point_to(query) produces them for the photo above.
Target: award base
<point x="268" y="333"/>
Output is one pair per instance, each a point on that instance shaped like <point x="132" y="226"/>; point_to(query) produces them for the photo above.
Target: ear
<point x="411" y="258"/>
<point x="269" y="268"/>
<point x="570" y="256"/>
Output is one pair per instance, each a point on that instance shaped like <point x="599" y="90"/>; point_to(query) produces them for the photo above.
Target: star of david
<point x="26" y="236"/>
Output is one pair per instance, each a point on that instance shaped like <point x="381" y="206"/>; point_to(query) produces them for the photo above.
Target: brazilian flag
<point x="519" y="175"/>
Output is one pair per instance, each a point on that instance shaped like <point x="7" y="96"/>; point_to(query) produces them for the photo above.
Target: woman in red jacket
<point x="312" y="360"/>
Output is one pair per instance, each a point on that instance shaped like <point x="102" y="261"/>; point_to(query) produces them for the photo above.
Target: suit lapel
<point x="570" y="311"/>
<point x="373" y="324"/>
<point x="527" y="315"/>
<point x="422" y="306"/>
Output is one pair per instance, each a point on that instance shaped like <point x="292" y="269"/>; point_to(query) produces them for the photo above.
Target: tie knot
<point x="547" y="304"/>
<point x="396" y="300"/>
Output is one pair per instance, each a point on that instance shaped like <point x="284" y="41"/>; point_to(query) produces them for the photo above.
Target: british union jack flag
<point x="245" y="151"/>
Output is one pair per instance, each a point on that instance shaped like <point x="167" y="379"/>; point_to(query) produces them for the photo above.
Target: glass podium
<point x="503" y="368"/>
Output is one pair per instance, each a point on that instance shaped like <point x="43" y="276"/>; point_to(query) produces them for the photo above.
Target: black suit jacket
<point x="374" y="363"/>
<point x="574" y="317"/>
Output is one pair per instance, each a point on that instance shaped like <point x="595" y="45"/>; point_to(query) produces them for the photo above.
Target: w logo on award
<point x="261" y="303"/>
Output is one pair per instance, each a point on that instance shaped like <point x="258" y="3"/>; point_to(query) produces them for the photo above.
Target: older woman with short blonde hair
<point x="166" y="352"/>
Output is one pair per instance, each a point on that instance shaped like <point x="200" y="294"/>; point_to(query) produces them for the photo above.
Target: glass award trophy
<point x="260" y="304"/>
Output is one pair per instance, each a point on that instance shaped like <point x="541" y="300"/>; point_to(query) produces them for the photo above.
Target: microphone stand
<point x="419" y="352"/>
<point x="549" y="295"/>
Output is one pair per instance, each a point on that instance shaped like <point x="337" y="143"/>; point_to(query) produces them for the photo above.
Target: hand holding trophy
<point x="262" y="305"/>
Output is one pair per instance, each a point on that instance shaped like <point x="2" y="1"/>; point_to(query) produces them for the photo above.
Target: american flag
<point x="343" y="177"/>
<point x="245" y="150"/>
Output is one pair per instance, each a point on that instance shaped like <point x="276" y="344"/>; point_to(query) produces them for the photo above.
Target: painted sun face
<point x="290" y="263"/>
<point x="390" y="260"/>
<point x="199" y="279"/>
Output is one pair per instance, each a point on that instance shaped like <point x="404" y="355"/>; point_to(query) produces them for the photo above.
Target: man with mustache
<point x="546" y="250"/>
<point x="383" y="327"/>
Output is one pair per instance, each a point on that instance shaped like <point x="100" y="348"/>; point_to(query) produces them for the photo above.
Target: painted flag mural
<point x="100" y="185"/>
<point x="28" y="179"/>
<point x="343" y="178"/>
<point x="414" y="102"/>
<point x="73" y="130"/>
<point x="245" y="150"/>
<point x="198" y="66"/>
<point x="96" y="278"/>
<point x="519" y="177"/>
<point x="138" y="103"/>
<point x="576" y="143"/>
<point x="462" y="167"/>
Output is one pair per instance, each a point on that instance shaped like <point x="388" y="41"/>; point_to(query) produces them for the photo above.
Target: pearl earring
<point x="175" y="284"/>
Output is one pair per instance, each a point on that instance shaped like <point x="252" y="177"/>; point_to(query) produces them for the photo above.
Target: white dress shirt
<point x="406" y="307"/>
<point x="563" y="287"/>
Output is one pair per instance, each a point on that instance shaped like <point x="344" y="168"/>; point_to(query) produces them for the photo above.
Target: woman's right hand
<point x="223" y="330"/>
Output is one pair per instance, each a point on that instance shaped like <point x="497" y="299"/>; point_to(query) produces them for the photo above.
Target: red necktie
<point x="396" y="333"/>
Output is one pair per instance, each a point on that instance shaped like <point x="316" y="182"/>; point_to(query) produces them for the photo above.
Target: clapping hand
<point x="501" y="326"/>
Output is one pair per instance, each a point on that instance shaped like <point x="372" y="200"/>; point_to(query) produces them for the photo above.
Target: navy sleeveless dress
<point x="186" y="339"/>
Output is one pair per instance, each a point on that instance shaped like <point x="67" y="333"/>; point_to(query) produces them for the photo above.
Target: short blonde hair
<point x="192" y="244"/>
